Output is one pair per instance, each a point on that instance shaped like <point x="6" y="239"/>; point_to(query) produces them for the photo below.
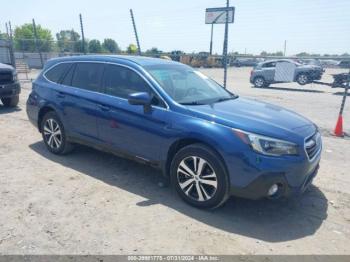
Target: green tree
<point x="67" y="41"/>
<point x="95" y="46"/>
<point x="154" y="51"/>
<point x="303" y="54"/>
<point x="278" y="53"/>
<point x="132" y="49"/>
<point x="3" y="35"/>
<point x="78" y="47"/>
<point x="24" y="38"/>
<point x="110" y="46"/>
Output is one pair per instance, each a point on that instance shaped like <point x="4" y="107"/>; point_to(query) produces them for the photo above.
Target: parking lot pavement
<point x="93" y="202"/>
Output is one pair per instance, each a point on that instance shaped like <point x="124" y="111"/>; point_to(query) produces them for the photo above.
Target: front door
<point x="129" y="128"/>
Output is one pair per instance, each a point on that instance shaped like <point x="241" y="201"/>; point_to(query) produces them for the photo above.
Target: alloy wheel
<point x="197" y="179"/>
<point x="259" y="82"/>
<point x="303" y="79"/>
<point x="52" y="133"/>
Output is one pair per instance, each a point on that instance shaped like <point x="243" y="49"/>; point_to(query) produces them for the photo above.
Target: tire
<point x="206" y="187"/>
<point x="303" y="79"/>
<point x="260" y="82"/>
<point x="53" y="134"/>
<point x="10" y="101"/>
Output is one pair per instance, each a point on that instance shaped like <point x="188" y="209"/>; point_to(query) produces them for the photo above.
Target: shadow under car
<point x="267" y="220"/>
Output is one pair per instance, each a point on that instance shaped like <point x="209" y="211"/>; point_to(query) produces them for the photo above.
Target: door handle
<point x="104" y="108"/>
<point x="61" y="95"/>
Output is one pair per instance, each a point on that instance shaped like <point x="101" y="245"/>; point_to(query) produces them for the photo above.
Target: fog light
<point x="273" y="190"/>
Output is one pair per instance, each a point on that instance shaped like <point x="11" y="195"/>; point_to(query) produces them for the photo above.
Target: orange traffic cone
<point x="338" y="131"/>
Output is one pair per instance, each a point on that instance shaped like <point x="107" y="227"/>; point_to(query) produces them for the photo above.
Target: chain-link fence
<point x="35" y="52"/>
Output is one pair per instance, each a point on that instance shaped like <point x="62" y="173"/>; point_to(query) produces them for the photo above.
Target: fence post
<point x="211" y="39"/>
<point x="135" y="31"/>
<point x="82" y="34"/>
<point x="36" y="44"/>
<point x="225" y="43"/>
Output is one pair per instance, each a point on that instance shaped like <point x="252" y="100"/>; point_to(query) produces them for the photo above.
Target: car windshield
<point x="188" y="86"/>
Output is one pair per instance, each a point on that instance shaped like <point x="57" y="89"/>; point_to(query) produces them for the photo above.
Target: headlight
<point x="14" y="77"/>
<point x="267" y="145"/>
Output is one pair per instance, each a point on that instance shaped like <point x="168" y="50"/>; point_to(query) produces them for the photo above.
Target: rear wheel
<point x="10" y="101"/>
<point x="260" y="82"/>
<point x="199" y="176"/>
<point x="303" y="79"/>
<point x="53" y="134"/>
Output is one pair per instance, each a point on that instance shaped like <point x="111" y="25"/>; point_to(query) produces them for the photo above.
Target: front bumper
<point x="253" y="174"/>
<point x="316" y="75"/>
<point x="259" y="187"/>
<point x="9" y="90"/>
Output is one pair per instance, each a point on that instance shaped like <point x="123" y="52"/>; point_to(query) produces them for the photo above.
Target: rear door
<point x="80" y="95"/>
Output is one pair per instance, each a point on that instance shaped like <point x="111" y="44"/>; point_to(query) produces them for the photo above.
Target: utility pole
<point x="135" y="31"/>
<point x="225" y="43"/>
<point x="211" y="39"/>
<point x="7" y="31"/>
<point x="36" y="43"/>
<point x="82" y="34"/>
<point x="12" y="55"/>
<point x="285" y="47"/>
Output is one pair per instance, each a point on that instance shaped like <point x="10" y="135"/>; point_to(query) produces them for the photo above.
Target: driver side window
<point x="120" y="82"/>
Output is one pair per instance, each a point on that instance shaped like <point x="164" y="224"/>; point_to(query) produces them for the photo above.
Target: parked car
<point x="264" y="73"/>
<point x="344" y="64"/>
<point x="238" y="62"/>
<point x="315" y="62"/>
<point x="209" y="142"/>
<point x="9" y="86"/>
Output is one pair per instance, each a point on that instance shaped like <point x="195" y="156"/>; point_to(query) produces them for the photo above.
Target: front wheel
<point x="54" y="135"/>
<point x="303" y="79"/>
<point x="10" y="101"/>
<point x="199" y="176"/>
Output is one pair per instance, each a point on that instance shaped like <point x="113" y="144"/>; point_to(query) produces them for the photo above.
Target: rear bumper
<point x="10" y="90"/>
<point x="32" y="110"/>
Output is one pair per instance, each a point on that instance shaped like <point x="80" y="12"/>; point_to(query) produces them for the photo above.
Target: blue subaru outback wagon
<point x="209" y="142"/>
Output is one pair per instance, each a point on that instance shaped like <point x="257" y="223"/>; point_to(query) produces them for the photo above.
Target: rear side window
<point x="67" y="79"/>
<point x="56" y="73"/>
<point x="88" y="76"/>
<point x="121" y="82"/>
<point x="271" y="64"/>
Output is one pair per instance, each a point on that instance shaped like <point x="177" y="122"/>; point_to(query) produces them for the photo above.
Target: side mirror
<point x="142" y="99"/>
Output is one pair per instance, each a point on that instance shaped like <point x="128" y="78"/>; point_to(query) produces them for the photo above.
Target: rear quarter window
<point x="56" y="73"/>
<point x="88" y="76"/>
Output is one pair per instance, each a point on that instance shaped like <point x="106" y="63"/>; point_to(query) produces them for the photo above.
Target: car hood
<point x="310" y="67"/>
<point x="257" y="117"/>
<point x="6" y="67"/>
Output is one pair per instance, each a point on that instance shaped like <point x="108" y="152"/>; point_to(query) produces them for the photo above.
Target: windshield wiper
<point x="192" y="103"/>
<point x="222" y="99"/>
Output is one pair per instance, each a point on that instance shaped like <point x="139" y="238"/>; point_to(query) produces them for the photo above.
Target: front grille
<point x="6" y="78"/>
<point x="313" y="145"/>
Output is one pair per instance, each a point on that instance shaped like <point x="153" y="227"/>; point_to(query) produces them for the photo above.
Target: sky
<point x="313" y="26"/>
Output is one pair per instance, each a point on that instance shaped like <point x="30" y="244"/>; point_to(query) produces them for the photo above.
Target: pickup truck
<point x="9" y="86"/>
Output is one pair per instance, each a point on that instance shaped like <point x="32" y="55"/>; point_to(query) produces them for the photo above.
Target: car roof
<point x="140" y="60"/>
<point x="279" y="60"/>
